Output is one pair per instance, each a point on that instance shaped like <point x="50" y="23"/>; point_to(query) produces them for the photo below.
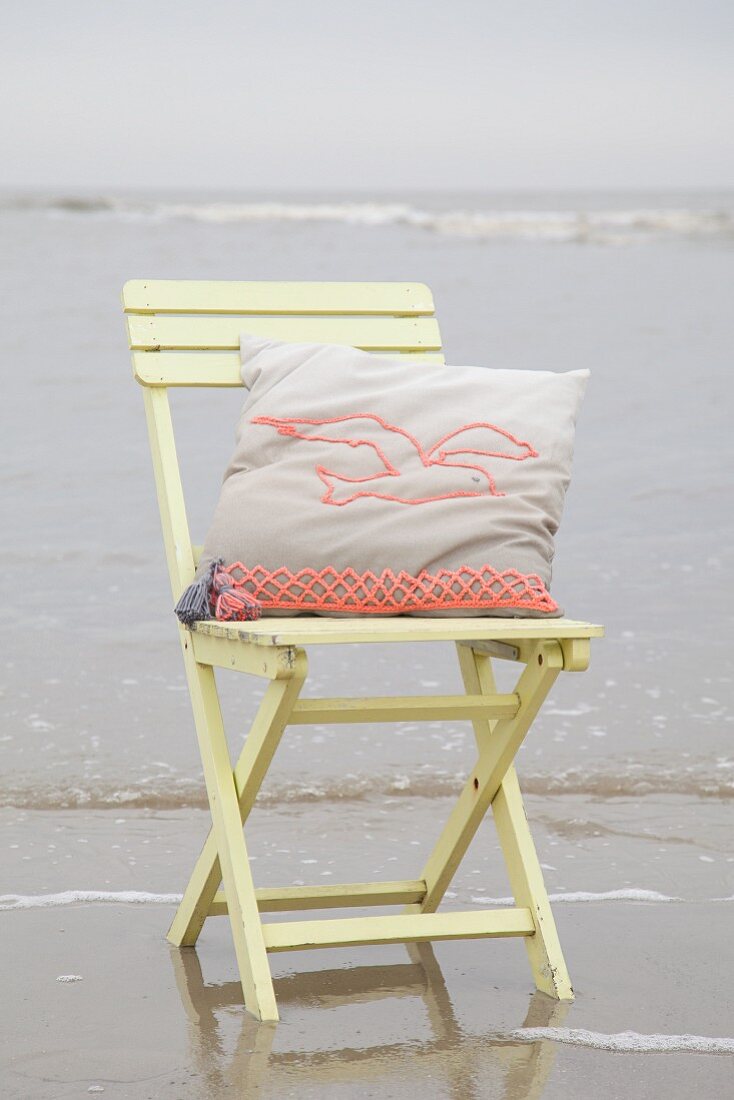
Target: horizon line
<point x="403" y="189"/>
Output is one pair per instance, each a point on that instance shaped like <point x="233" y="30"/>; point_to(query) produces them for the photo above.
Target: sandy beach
<point x="102" y="1002"/>
<point x="629" y="772"/>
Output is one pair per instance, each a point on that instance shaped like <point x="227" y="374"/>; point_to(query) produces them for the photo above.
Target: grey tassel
<point x="194" y="603"/>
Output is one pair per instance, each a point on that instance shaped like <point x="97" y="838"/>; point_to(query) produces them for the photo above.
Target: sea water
<point x="636" y="287"/>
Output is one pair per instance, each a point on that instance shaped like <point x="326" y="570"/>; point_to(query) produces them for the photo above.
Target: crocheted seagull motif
<point x="397" y="467"/>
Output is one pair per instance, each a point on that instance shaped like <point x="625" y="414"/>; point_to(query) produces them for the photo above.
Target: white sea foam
<point x="607" y="895"/>
<point x="611" y="226"/>
<point x="614" y="895"/>
<point x="143" y="897"/>
<point x="629" y="1041"/>
<point x="85" y="897"/>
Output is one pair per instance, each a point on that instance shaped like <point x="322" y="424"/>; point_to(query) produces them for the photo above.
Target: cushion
<point x="373" y="485"/>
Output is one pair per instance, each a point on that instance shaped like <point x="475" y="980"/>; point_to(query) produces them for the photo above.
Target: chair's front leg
<point x="523" y="866"/>
<point x="528" y="887"/>
<point x="262" y="741"/>
<point x="257" y="984"/>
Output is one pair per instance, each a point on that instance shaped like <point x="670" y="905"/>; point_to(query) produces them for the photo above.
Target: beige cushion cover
<point x="417" y="488"/>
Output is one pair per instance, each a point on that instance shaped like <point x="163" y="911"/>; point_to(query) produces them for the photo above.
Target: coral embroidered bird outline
<point x="435" y="465"/>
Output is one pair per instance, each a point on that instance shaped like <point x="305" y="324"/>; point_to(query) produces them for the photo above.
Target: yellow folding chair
<point x="186" y="333"/>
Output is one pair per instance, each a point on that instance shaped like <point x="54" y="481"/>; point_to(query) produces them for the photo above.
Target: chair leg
<point x="523" y="867"/>
<point x="262" y="741"/>
<point x="527" y="885"/>
<point x="545" y="661"/>
<point x="257" y="983"/>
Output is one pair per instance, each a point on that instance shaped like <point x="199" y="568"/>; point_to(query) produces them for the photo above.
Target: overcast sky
<point x="374" y="95"/>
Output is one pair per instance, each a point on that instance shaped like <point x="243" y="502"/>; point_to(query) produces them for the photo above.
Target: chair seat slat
<point x="320" y="630"/>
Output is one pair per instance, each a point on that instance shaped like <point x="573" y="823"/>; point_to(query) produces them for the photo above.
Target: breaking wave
<point x="610" y="226"/>
<point x="163" y="792"/>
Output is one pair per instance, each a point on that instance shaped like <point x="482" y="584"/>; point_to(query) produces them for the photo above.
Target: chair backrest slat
<point x="213" y="368"/>
<point x="170" y="332"/>
<point x="186" y="333"/>
<point x="263" y="298"/>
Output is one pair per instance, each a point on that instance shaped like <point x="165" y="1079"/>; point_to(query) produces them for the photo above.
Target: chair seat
<point x="322" y="630"/>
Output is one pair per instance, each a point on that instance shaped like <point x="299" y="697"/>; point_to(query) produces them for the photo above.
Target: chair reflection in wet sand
<point x="466" y="1066"/>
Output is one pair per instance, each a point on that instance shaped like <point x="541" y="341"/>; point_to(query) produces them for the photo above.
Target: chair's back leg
<point x="497" y="752"/>
<point x="521" y="858"/>
<point x="171" y="503"/>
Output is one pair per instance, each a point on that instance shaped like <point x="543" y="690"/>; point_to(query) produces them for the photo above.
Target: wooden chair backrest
<point x="186" y="333"/>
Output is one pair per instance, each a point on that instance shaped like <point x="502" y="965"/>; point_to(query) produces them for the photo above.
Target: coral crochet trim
<point x="389" y="593"/>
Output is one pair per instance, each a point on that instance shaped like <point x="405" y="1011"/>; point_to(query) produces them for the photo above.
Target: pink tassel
<point x="229" y="602"/>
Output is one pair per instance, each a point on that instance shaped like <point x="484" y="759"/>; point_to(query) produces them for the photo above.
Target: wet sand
<point x="148" y="1021"/>
<point x="145" y="1020"/>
